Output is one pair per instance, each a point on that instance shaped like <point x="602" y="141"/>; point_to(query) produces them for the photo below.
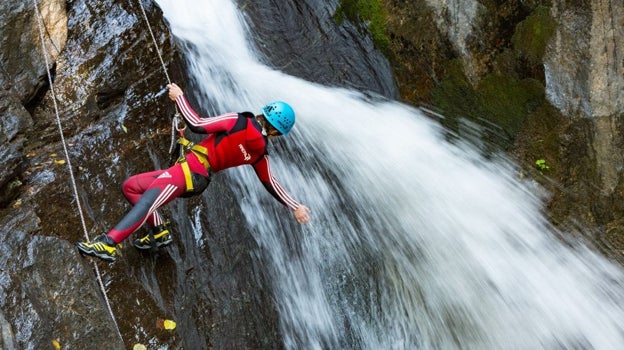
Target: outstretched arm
<point x="196" y="123"/>
<point x="263" y="171"/>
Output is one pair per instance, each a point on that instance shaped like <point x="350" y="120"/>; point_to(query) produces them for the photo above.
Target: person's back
<point x="242" y="144"/>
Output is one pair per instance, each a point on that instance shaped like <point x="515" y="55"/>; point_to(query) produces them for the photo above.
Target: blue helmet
<point x="280" y="115"/>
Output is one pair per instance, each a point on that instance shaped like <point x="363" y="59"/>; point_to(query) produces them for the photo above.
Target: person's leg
<point x="165" y="186"/>
<point x="134" y="187"/>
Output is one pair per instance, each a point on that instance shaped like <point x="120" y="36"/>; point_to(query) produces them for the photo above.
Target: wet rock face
<point x="38" y="303"/>
<point x="303" y="39"/>
<point x="22" y="76"/>
<point x="15" y="120"/>
<point x="23" y="66"/>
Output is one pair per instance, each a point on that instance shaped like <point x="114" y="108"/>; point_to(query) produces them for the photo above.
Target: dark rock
<point x="22" y="60"/>
<point x="47" y="291"/>
<point x="303" y="39"/>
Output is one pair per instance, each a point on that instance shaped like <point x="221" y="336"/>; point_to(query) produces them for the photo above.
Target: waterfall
<point x="415" y="243"/>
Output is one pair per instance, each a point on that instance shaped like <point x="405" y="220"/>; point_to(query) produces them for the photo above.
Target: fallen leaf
<point x="169" y="324"/>
<point x="56" y="344"/>
<point x="165" y="324"/>
<point x="59" y="161"/>
<point x="123" y="127"/>
<point x="53" y="155"/>
<point x="139" y="347"/>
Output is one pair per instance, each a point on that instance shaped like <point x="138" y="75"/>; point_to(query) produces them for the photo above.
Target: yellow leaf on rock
<point x="56" y="344"/>
<point x="53" y="155"/>
<point x="169" y="325"/>
<point x="139" y="347"/>
<point x="59" y="161"/>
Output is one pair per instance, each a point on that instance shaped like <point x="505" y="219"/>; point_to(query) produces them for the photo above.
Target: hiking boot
<point x="102" y="247"/>
<point x="162" y="237"/>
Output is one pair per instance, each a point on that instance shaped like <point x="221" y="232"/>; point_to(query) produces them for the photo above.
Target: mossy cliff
<point x="544" y="79"/>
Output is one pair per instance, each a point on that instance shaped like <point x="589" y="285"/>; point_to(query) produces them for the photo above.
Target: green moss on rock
<point x="501" y="99"/>
<point x="532" y="34"/>
<point x="454" y="94"/>
<point x="369" y="14"/>
<point x="506" y="101"/>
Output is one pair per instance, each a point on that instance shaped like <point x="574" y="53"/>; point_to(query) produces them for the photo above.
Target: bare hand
<point x="302" y="214"/>
<point x="174" y="91"/>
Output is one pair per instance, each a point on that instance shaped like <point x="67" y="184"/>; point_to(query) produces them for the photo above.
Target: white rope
<point x="175" y="121"/>
<point x="69" y="166"/>
<point x="149" y="27"/>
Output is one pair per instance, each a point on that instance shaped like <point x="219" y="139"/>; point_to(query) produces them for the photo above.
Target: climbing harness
<point x="68" y="161"/>
<point x="201" y="152"/>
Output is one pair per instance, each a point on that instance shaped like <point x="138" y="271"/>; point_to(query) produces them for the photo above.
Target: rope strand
<point x="69" y="165"/>
<point x="175" y="121"/>
<point x="149" y="27"/>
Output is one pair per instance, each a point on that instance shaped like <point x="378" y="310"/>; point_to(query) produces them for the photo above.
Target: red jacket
<point x="233" y="139"/>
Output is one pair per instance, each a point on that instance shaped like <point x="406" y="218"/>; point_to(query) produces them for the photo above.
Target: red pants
<point x="147" y="192"/>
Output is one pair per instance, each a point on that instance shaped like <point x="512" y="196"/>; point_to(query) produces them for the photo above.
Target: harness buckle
<point x="189" y="147"/>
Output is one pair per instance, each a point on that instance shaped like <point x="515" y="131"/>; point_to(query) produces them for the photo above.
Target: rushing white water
<point x="415" y="243"/>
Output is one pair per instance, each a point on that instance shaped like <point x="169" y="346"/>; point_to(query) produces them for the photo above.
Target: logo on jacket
<point x="244" y="151"/>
